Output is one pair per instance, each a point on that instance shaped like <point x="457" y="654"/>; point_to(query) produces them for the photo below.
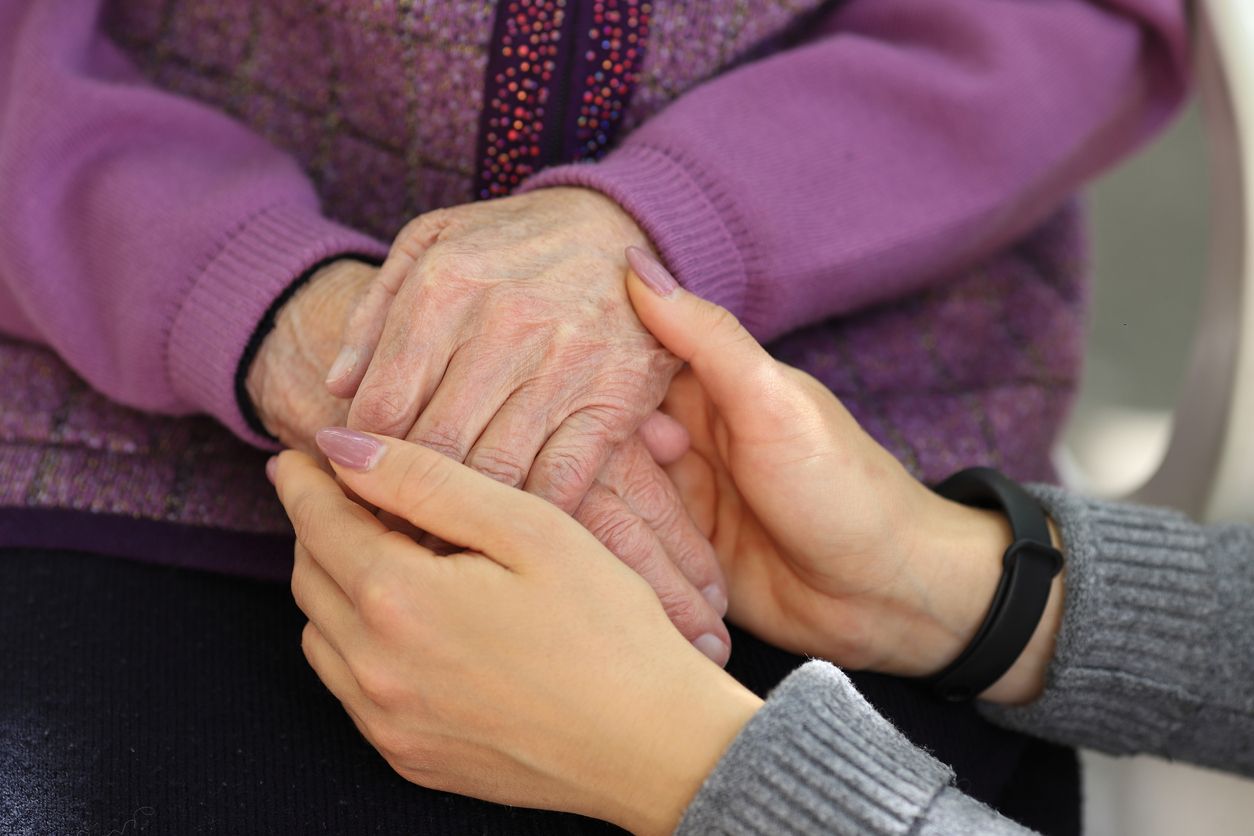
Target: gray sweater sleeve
<point x="817" y="758"/>
<point x="1156" y="650"/>
<point x="1155" y="654"/>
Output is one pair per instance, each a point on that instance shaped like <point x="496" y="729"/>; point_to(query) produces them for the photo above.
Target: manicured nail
<point x="344" y="363"/>
<point x="712" y="646"/>
<point x="272" y="467"/>
<point x="717" y="598"/>
<point x="651" y="271"/>
<point x="349" y="448"/>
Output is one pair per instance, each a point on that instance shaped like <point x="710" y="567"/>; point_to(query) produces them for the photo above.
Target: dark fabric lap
<point x="136" y="698"/>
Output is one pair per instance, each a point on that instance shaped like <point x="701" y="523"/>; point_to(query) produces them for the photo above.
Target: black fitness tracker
<point x="1028" y="569"/>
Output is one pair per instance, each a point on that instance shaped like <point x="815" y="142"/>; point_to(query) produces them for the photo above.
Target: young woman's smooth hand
<point x="829" y="546"/>
<point x="533" y="668"/>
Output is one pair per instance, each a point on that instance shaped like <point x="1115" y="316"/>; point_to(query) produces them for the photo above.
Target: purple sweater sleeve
<point x="904" y="141"/>
<point x="142" y="235"/>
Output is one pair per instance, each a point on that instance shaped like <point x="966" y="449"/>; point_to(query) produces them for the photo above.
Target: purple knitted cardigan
<point x="879" y="180"/>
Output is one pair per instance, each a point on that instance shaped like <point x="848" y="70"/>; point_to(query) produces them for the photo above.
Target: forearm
<point x="142" y="235"/>
<point x="1156" y="648"/>
<point x="908" y="139"/>
<point x="1146" y="644"/>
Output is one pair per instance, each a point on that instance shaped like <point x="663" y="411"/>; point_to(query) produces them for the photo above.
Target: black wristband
<point x="1028" y="569"/>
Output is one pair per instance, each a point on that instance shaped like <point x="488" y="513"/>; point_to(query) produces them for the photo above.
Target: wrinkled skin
<point x="632" y="507"/>
<point x="500" y="334"/>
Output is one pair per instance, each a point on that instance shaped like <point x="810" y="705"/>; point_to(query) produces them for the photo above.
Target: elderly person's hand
<point x="284" y="380"/>
<point x="500" y="334"/>
<point x="632" y="508"/>
<point x="829" y="546"/>
<point x="532" y="668"/>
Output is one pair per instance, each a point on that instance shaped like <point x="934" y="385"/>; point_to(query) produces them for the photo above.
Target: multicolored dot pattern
<point x="559" y="82"/>
<point x="522" y="72"/>
<point x="617" y="38"/>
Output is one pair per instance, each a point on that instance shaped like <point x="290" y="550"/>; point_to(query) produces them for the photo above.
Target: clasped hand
<point x="500" y="335"/>
<point x="532" y="668"/>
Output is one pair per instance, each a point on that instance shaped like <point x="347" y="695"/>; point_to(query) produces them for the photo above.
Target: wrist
<point x="285" y="377"/>
<point x="617" y="228"/>
<point x="680" y="744"/>
<point x="961" y="551"/>
<point x="955" y="566"/>
<point x="1025" y="680"/>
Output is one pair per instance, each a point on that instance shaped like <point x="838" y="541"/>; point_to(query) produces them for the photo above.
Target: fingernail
<point x="272" y="466"/>
<point x="717" y="598"/>
<point x="344" y="363"/>
<point x="349" y="448"/>
<point x="651" y="271"/>
<point x="714" y="647"/>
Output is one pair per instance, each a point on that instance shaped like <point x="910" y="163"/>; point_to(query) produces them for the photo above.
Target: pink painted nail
<point x="349" y="448"/>
<point x="272" y="467"/>
<point x="651" y="271"/>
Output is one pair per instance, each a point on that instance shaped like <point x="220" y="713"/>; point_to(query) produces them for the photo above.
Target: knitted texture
<point x="948" y="317"/>
<point x="817" y="759"/>
<point x="362" y="92"/>
<point x="1155" y="653"/>
<point x="996" y="395"/>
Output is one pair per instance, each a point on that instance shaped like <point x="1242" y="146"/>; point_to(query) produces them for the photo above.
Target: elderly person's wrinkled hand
<point x="500" y="334"/>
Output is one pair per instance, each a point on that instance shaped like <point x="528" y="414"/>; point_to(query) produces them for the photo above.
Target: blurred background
<point x="1151" y="238"/>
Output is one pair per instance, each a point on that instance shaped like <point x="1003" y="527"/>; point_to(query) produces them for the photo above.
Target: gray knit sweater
<point x="1155" y="655"/>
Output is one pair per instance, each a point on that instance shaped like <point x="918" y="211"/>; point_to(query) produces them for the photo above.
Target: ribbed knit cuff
<point x="1134" y="652"/>
<point x="688" y="216"/>
<point x="817" y="758"/>
<point x="954" y="812"/>
<point x="231" y="294"/>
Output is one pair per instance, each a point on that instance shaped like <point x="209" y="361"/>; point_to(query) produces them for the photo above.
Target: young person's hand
<point x="533" y="668"/>
<point x="829" y="546"/>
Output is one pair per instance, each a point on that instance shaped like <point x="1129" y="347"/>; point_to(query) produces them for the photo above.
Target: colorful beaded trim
<point x="559" y="77"/>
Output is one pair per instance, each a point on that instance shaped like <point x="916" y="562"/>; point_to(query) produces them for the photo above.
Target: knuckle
<point x="450" y="271"/>
<point x="564" y="475"/>
<point x="381" y="603"/>
<point x="410" y="239"/>
<point x="383" y="411"/>
<point x="444" y="438"/>
<point x="413" y="758"/>
<point x="647" y="494"/>
<point x="307" y="639"/>
<point x="622" y="533"/>
<point x="298" y="588"/>
<point x="419" y="232"/>
<point x="305" y="509"/>
<point x="726" y="324"/>
<point x="422" y="477"/>
<point x="500" y="465"/>
<point x="383" y="687"/>
<point x="681" y="606"/>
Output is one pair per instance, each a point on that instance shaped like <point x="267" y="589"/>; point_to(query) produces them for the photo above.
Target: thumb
<point x="727" y="361"/>
<point x="449" y="500"/>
